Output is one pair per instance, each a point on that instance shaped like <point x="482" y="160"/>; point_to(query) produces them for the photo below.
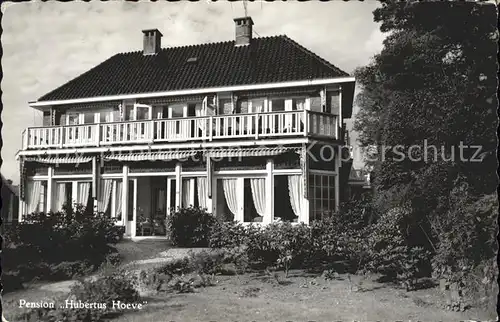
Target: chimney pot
<point x="243" y="30"/>
<point x="151" y="41"/>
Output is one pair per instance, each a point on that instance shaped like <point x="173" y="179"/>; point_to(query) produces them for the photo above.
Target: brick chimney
<point x="243" y="30"/>
<point x="152" y="41"/>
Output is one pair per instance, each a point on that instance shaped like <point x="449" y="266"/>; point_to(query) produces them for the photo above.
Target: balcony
<point x="191" y="129"/>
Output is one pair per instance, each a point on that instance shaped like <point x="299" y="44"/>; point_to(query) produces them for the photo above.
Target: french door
<point x="131" y="220"/>
<point x="180" y="127"/>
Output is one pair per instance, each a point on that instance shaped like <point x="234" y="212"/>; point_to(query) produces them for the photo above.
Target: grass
<point x="251" y="297"/>
<point x="267" y="296"/>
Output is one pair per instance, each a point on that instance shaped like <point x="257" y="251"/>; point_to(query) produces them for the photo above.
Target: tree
<point x="434" y="82"/>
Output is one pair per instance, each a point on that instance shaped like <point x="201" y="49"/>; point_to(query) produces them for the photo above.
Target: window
<point x="257" y="105"/>
<point x="142" y="112"/>
<point x="225" y="106"/>
<point x="43" y="197"/>
<point x="321" y="195"/>
<point x="298" y="104"/>
<point x="88" y="117"/>
<point x="128" y="111"/>
<point x="277" y="104"/>
<point x="73" y="119"/>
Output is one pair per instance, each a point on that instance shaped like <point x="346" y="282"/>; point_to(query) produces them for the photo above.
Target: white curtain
<point x="118" y="200"/>
<point x="186" y="192"/>
<point x="59" y="197"/>
<point x="104" y="195"/>
<point x="259" y="195"/>
<point x="201" y="110"/>
<point x="34" y="191"/>
<point x="83" y="193"/>
<point x="202" y="192"/>
<point x="296" y="191"/>
<point x="231" y="195"/>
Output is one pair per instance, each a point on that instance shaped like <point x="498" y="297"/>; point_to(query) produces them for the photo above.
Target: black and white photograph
<point x="249" y="161"/>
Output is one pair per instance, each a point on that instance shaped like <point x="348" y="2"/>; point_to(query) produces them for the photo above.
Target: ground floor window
<point x="321" y="196"/>
<point x="71" y="193"/>
<point x="288" y="197"/>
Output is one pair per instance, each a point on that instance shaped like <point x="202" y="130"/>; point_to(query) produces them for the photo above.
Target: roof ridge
<point x="310" y="53"/>
<point x="225" y="42"/>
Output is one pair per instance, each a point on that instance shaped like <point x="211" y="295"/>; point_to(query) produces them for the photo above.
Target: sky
<point x="47" y="44"/>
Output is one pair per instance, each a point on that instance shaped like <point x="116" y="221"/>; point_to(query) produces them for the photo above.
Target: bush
<point x="228" y="234"/>
<point x="388" y="251"/>
<point x="466" y="246"/>
<point x="175" y="267"/>
<point x="60" y="245"/>
<point x="190" y="227"/>
<point x="206" y="262"/>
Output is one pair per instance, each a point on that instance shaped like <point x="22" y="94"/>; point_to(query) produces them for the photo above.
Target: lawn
<point x="301" y="297"/>
<point x="267" y="297"/>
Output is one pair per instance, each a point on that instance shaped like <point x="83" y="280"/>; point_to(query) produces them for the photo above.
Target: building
<point x="10" y="202"/>
<point x="250" y="129"/>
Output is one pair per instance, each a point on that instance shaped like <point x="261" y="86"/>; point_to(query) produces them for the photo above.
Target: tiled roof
<point x="265" y="60"/>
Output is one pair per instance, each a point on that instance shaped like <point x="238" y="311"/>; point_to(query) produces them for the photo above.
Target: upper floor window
<point x="136" y="112"/>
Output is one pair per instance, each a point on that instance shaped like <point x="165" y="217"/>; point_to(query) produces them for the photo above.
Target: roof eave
<point x="207" y="90"/>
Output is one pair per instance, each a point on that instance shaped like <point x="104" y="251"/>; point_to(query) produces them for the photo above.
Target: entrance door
<point x="131" y="220"/>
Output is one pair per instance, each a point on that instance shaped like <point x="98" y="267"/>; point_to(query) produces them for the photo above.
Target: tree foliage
<point x="434" y="84"/>
<point x="434" y="81"/>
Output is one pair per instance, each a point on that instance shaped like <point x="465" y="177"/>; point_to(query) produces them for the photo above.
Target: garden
<point x="357" y="258"/>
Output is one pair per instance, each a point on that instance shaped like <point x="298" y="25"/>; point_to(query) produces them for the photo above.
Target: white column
<point x="191" y="192"/>
<point x="337" y="178"/>
<point x="50" y="188"/>
<point x="211" y="182"/>
<point x="113" y="199"/>
<point x="21" y="209"/>
<point x="95" y="184"/>
<point x="124" y="200"/>
<point x="178" y="185"/>
<point x="305" y="178"/>
<point x="133" y="224"/>
<point x="269" y="217"/>
<point x="340" y="106"/>
<point x="74" y="193"/>
<point x="240" y="195"/>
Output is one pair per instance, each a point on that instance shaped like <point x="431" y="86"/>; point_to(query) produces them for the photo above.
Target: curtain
<point x="83" y="193"/>
<point x="259" y="195"/>
<point x="104" y="195"/>
<point x="296" y="191"/>
<point x="59" y="197"/>
<point x="230" y="194"/>
<point x="201" y="110"/>
<point x="34" y="191"/>
<point x="202" y="192"/>
<point x="186" y="192"/>
<point x="118" y="200"/>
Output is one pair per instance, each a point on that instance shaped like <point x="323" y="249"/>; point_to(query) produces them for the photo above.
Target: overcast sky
<point x="48" y="44"/>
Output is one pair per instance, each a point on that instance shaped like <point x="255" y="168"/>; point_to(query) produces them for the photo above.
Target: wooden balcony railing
<point x="204" y="128"/>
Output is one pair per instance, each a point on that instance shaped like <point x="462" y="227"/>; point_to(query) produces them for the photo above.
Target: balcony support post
<point x="210" y="128"/>
<point x="256" y="126"/>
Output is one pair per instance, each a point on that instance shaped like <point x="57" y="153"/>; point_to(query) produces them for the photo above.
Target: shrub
<point x="205" y="262"/>
<point x="237" y="256"/>
<point x="466" y="245"/>
<point x="388" y="251"/>
<point x="45" y="244"/>
<point x="175" y="267"/>
<point x="228" y="235"/>
<point x="190" y="227"/>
